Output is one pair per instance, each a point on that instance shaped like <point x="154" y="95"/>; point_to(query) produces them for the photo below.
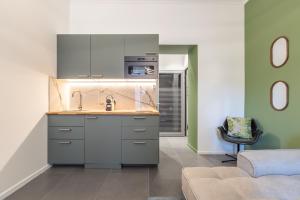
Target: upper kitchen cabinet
<point x="73" y="56"/>
<point x="141" y="45"/>
<point x="107" y="56"/>
<point x="100" y="55"/>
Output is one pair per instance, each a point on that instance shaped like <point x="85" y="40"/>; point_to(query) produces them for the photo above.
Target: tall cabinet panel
<point x="141" y="45"/>
<point x="107" y="56"/>
<point x="103" y="141"/>
<point x="73" y="56"/>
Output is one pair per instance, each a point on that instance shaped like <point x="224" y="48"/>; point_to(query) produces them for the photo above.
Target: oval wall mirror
<point x="279" y="95"/>
<point x="280" y="51"/>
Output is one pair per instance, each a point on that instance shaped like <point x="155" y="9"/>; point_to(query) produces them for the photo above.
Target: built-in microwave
<point x="141" y="67"/>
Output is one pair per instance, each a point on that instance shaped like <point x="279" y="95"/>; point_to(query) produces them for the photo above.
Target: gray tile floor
<point x="129" y="183"/>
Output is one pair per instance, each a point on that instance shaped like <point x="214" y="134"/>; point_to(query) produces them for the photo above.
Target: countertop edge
<point x="105" y="113"/>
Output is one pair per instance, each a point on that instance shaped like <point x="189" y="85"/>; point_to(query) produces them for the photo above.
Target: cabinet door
<point x="65" y="152"/>
<point x="102" y="141"/>
<point x="107" y="56"/>
<point x="73" y="56"/>
<point x="141" y="45"/>
<point x="140" y="151"/>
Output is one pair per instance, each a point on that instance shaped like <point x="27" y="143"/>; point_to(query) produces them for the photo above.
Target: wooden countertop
<point x="121" y="112"/>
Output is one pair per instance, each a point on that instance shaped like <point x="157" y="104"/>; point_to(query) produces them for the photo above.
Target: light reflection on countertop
<point x="103" y="112"/>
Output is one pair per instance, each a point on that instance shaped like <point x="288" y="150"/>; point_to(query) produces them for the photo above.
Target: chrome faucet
<point x="80" y="98"/>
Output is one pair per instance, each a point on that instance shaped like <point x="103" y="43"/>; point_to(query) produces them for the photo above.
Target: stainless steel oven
<point x="141" y="67"/>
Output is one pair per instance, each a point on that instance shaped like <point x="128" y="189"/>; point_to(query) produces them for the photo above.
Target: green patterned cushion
<point x="239" y="127"/>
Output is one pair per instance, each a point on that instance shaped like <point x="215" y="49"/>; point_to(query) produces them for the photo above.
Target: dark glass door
<point x="172" y="104"/>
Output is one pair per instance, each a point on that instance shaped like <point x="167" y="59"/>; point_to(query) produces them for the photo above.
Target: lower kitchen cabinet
<point x="65" y="140"/>
<point x="140" y="140"/>
<point x="103" y="142"/>
<point x="66" y="133"/>
<point x="65" y="151"/>
<point x="140" y="152"/>
<point x="140" y="132"/>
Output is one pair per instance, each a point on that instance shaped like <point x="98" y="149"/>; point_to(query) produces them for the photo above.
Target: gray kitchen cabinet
<point x="65" y="120"/>
<point x="102" y="142"/>
<point x="107" y="56"/>
<point x="140" y="132"/>
<point x="83" y="56"/>
<point x="141" y="44"/>
<point x="140" y="140"/>
<point x="73" y="56"/>
<point x="65" y="151"/>
<point x="141" y="121"/>
<point x="65" y="139"/>
<point x="66" y="132"/>
<point x="140" y="151"/>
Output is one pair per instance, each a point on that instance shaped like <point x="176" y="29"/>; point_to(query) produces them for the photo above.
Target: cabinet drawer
<point x="140" y="132"/>
<point x="140" y="151"/>
<point x="141" y="121"/>
<point x="65" y="120"/>
<point x="65" y="152"/>
<point x="66" y="132"/>
<point x="103" y="120"/>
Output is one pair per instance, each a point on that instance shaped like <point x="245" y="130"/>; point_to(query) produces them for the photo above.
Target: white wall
<point x="27" y="58"/>
<point x="217" y="27"/>
<point x="171" y="62"/>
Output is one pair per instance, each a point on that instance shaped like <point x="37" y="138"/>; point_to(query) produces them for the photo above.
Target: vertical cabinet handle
<point x="66" y="142"/>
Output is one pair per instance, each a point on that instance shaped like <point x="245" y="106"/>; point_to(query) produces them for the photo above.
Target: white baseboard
<point x="233" y="151"/>
<point x="213" y="152"/>
<point x="23" y="182"/>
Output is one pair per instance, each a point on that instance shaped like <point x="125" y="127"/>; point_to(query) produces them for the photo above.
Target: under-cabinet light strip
<point x="110" y="82"/>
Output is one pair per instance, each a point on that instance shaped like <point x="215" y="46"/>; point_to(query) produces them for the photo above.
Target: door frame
<point x="183" y="105"/>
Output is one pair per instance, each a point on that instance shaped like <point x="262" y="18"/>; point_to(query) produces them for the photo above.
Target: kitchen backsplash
<point x="138" y="95"/>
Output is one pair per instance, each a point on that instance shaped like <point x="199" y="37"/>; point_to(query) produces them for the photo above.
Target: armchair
<point x="256" y="134"/>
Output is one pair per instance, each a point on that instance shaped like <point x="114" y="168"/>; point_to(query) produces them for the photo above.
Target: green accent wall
<point x="265" y="20"/>
<point x="192" y="91"/>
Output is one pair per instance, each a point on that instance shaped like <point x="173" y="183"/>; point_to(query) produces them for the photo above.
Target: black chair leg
<point x="234" y="158"/>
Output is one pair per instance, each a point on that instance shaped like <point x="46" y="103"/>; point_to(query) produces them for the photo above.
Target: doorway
<point x="178" y="92"/>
